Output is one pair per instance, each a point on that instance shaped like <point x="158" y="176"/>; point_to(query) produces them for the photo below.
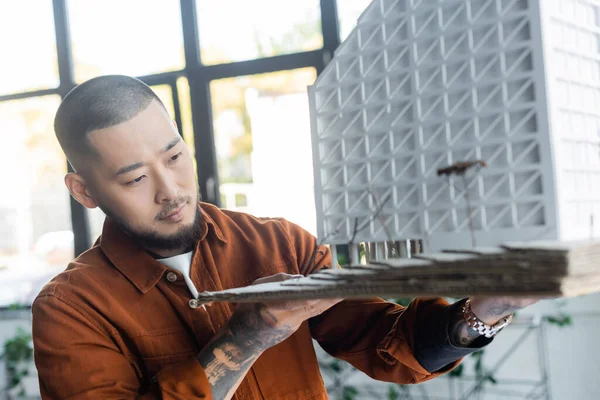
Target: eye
<point x="176" y="156"/>
<point x="135" y="181"/>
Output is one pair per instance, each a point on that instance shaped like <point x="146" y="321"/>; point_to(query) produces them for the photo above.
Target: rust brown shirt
<point x="112" y="325"/>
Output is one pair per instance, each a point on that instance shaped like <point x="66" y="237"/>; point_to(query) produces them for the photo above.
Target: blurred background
<point x="233" y="74"/>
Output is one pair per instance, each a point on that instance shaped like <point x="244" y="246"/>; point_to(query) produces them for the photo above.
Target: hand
<point x="264" y="325"/>
<point x="488" y="309"/>
<point x="492" y="309"/>
<point x="252" y="329"/>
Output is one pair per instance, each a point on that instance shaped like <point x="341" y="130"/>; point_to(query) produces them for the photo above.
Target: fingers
<point x="280" y="277"/>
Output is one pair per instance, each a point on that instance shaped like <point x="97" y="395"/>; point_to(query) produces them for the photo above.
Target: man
<point x="122" y="321"/>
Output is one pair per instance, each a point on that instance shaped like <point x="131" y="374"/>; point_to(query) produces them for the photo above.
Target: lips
<point x="174" y="212"/>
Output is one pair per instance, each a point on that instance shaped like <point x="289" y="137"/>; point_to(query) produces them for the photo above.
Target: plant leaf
<point x="350" y="392"/>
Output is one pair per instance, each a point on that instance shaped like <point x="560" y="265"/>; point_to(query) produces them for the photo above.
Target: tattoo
<point x="502" y="309"/>
<point x="225" y="363"/>
<point x="459" y="332"/>
<point x="230" y="354"/>
<point x="258" y="328"/>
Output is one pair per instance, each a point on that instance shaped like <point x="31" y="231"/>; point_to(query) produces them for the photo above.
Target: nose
<point x="166" y="188"/>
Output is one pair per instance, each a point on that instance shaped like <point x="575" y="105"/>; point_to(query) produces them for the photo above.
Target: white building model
<point x="422" y="85"/>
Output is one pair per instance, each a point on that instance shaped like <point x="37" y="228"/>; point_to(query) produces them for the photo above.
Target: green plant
<point x="350" y="393"/>
<point x="561" y="319"/>
<point x="335" y="366"/>
<point x="18" y="352"/>
<point x="457" y="372"/>
<point x="393" y="393"/>
<point x="16" y="307"/>
<point x="480" y="372"/>
<point x="342" y="260"/>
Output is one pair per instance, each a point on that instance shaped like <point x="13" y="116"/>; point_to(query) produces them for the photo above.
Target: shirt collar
<point x="140" y="268"/>
<point x="209" y="222"/>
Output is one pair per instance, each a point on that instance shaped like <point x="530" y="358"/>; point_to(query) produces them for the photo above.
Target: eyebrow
<point x="137" y="165"/>
<point x="129" y="168"/>
<point x="171" y="144"/>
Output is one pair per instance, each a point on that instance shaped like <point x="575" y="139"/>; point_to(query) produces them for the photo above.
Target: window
<point x="36" y="238"/>
<point x="185" y="104"/>
<point x="348" y="13"/>
<point x="134" y="37"/>
<point x="28" y="46"/>
<point x="262" y="138"/>
<point x="165" y="93"/>
<point x="256" y="118"/>
<point x="234" y="30"/>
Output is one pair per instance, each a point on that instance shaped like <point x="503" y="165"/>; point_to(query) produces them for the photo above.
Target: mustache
<point x="169" y="208"/>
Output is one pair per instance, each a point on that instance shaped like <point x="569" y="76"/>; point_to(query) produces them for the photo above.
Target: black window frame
<point x="199" y="78"/>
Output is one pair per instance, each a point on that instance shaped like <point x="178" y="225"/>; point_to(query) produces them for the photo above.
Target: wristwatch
<point x="489" y="331"/>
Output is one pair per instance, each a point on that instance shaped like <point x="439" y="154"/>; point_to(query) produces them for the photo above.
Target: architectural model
<point x="418" y="86"/>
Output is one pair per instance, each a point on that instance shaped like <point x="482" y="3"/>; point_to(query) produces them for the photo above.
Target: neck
<point x="161" y="253"/>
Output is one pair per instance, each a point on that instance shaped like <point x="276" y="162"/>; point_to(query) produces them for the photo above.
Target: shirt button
<point x="194" y="303"/>
<point x="172" y="277"/>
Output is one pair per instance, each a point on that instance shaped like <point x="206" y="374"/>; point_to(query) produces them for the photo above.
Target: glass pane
<point x="234" y="30"/>
<point x="164" y="92"/>
<point x="36" y="239"/>
<point x="134" y="37"/>
<point x="96" y="220"/>
<point x="348" y="13"/>
<point x="262" y="137"/>
<point x="28" y="46"/>
<point x="183" y="88"/>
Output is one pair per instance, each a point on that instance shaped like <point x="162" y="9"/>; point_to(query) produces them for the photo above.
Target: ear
<point x="80" y="190"/>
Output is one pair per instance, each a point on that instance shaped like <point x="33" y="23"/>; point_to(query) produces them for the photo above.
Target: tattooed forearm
<point x="229" y="356"/>
<point x="226" y="362"/>
<point x="459" y="332"/>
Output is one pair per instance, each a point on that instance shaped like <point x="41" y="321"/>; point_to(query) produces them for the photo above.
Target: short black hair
<point x="98" y="103"/>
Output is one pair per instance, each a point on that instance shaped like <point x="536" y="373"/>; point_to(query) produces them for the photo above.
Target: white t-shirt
<point x="182" y="263"/>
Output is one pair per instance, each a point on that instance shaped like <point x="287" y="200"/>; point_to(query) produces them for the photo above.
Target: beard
<point x="184" y="239"/>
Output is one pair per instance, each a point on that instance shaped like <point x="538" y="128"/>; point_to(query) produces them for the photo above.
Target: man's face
<point x="145" y="181"/>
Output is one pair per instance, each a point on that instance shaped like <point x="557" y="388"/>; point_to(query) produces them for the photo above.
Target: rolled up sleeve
<point x="77" y="359"/>
<point x="380" y="338"/>
<point x="435" y="350"/>
<point x="375" y="336"/>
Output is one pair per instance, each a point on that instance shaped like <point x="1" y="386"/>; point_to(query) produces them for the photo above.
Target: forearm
<point x="226" y="361"/>
<point x="227" y="358"/>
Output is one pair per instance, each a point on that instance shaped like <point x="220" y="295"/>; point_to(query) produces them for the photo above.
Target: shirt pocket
<point x="153" y="365"/>
<point x="160" y="348"/>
